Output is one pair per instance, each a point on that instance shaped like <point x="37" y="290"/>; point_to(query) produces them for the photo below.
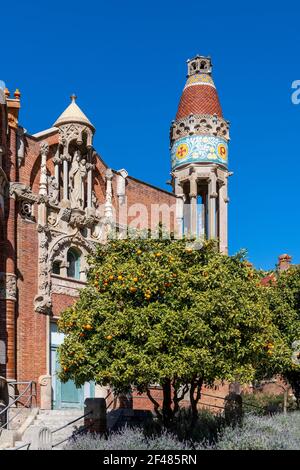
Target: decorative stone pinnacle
<point x="109" y="174"/>
<point x="17" y="94"/>
<point x="73" y="97"/>
<point x="44" y="146"/>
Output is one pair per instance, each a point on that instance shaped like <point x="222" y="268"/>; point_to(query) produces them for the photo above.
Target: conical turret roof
<point x="199" y="95"/>
<point x="73" y="114"/>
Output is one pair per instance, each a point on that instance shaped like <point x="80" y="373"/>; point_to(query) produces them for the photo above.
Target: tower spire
<point x="199" y="155"/>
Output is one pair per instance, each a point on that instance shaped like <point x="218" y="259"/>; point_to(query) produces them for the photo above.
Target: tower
<point x="199" y="157"/>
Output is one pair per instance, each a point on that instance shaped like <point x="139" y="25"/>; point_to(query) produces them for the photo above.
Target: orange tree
<point x="284" y="295"/>
<point x="158" y="311"/>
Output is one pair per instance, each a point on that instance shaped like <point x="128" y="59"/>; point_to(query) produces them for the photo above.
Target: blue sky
<point x="126" y="61"/>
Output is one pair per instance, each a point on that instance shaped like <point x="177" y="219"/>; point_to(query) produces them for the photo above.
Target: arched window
<point x="73" y="258"/>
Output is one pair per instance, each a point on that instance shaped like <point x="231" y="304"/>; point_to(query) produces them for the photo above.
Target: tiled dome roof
<point x="199" y="97"/>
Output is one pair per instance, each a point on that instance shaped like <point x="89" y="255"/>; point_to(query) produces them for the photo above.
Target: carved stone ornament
<point x="26" y="210"/>
<point x="73" y="131"/>
<point x="199" y="124"/>
<point x="53" y="190"/>
<point x="22" y="191"/>
<point x="53" y="247"/>
<point x="44" y="147"/>
<point x="8" y="286"/>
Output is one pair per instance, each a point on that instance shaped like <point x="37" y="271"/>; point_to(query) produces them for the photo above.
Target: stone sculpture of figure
<point x="53" y="189"/>
<point x="77" y="176"/>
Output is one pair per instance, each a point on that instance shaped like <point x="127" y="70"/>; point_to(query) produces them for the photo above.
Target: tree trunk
<point x="167" y="404"/>
<point x="195" y="386"/>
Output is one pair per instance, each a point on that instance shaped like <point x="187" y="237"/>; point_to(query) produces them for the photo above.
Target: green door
<point x="67" y="395"/>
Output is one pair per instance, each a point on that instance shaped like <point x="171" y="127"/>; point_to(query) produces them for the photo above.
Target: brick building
<point x="59" y="199"/>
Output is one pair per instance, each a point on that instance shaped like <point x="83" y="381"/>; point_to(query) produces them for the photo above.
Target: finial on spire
<point x="17" y="94"/>
<point x="73" y="97"/>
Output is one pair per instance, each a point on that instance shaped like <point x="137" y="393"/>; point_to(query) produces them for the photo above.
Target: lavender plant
<point x="257" y="433"/>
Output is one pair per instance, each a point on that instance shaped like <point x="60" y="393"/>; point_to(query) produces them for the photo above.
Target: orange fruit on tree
<point x="111" y="277"/>
<point x="139" y="252"/>
<point x="135" y="279"/>
<point x="109" y="337"/>
<point x="120" y="278"/>
<point x="133" y="289"/>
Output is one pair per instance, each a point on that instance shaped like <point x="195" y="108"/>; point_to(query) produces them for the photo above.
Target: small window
<point x="73" y="259"/>
<point x="56" y="268"/>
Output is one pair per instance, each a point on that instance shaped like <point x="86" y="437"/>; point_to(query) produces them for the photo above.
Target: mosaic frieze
<point x="199" y="149"/>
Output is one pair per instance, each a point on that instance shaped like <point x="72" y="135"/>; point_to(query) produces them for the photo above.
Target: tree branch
<point x="177" y="398"/>
<point x="155" y="403"/>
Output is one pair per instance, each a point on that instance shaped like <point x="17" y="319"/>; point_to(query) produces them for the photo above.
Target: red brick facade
<point x="24" y="332"/>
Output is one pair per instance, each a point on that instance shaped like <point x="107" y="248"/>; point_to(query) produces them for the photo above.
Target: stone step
<point x="57" y="424"/>
<point x="20" y="443"/>
<point x="54" y="419"/>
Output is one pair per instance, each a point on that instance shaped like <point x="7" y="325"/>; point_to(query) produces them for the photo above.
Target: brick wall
<point x="31" y="327"/>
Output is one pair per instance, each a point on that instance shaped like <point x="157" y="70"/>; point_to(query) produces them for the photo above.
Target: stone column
<point x="212" y="195"/>
<point x="20" y="145"/>
<point x="108" y="208"/>
<point x="193" y="207"/>
<point x="121" y="186"/>
<point x="223" y="217"/>
<point x="65" y="178"/>
<point x="43" y="177"/>
<point x="43" y="186"/>
<point x="179" y="216"/>
<point x="57" y="162"/>
<point x="89" y="167"/>
<point x="45" y="392"/>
